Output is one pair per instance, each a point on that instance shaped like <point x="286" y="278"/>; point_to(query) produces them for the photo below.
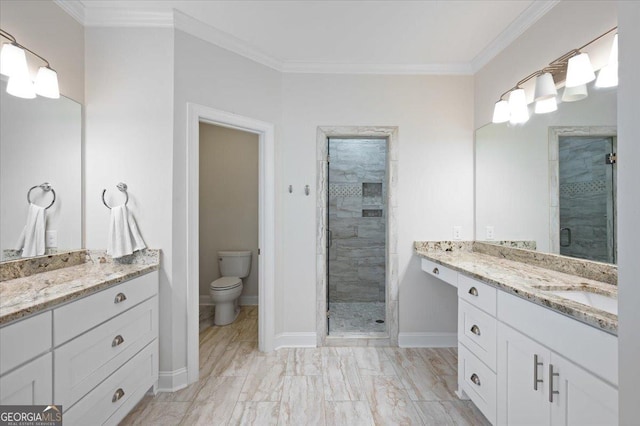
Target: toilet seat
<point x="225" y="283"/>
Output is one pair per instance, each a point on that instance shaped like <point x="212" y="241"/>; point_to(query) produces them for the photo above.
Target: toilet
<point x="225" y="291"/>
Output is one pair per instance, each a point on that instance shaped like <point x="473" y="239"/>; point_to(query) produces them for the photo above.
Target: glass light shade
<point x="46" y="83"/>
<point x="546" y="105"/>
<point x="579" y="71"/>
<point x="13" y="61"/>
<point x="21" y="87"/>
<point x="518" y="107"/>
<point x="572" y="94"/>
<point x="545" y="87"/>
<point x="501" y="112"/>
<point x="608" y="75"/>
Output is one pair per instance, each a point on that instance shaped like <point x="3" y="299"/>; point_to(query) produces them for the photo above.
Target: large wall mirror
<point x="40" y="141"/>
<point x="551" y="180"/>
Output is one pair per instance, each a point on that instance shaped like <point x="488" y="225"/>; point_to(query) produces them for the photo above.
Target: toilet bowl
<point x="225" y="291"/>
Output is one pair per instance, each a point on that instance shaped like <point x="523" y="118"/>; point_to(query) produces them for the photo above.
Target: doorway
<point x="356" y="251"/>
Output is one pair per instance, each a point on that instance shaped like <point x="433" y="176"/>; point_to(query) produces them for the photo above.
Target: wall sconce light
<point x="13" y="64"/>
<point x="578" y="70"/>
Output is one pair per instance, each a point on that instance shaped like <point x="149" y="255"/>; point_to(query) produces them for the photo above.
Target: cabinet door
<point x="30" y="384"/>
<point x="582" y="398"/>
<point x="521" y="400"/>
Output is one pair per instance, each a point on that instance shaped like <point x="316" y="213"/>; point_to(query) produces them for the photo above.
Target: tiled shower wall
<point x="357" y="217"/>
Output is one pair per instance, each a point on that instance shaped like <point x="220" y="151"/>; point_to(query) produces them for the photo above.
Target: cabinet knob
<point x="120" y="297"/>
<point x="473" y="291"/>
<point x="117" y="341"/>
<point x="436" y="271"/>
<point x="475" y="330"/>
<point x="475" y="379"/>
<point x="116" y="396"/>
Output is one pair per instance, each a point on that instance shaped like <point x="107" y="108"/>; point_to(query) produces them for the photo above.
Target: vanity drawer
<point x="441" y="272"/>
<point x="478" y="332"/>
<point x="16" y="348"/>
<point x="77" y="317"/>
<point x="478" y="294"/>
<point x="30" y="384"/>
<point x="84" y="362"/>
<point x="136" y="376"/>
<point x="478" y="382"/>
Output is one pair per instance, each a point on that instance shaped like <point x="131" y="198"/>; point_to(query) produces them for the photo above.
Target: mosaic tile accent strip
<point x="345" y="190"/>
<point x="590" y="187"/>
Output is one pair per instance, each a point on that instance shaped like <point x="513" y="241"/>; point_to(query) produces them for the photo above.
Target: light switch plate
<point x="51" y="238"/>
<point x="457" y="232"/>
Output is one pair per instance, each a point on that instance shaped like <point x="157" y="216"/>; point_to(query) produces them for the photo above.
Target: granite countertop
<point x="529" y="282"/>
<point x="27" y="295"/>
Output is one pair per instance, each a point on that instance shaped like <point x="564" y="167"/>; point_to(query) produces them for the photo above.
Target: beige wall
<point x="50" y="32"/>
<point x="228" y="202"/>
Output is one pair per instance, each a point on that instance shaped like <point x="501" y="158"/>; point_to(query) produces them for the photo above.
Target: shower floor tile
<point x="357" y="317"/>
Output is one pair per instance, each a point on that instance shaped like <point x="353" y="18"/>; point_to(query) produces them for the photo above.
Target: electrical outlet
<point x="51" y="238"/>
<point x="489" y="233"/>
<point x="457" y="232"/>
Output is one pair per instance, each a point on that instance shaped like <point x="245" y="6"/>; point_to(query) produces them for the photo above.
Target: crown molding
<point x="524" y="21"/>
<point x="74" y="8"/>
<point x="391" y="69"/>
<point x="120" y="17"/>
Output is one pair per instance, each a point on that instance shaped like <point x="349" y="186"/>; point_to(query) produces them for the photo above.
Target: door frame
<point x="391" y="267"/>
<point x="266" y="225"/>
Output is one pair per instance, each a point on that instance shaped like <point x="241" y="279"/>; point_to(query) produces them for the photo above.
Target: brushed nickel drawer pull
<point x="535" y="372"/>
<point x="436" y="271"/>
<point x="117" y="341"/>
<point x="120" y="297"/>
<point x="116" y="396"/>
<point x="475" y="379"/>
<point x="551" y="391"/>
<point x="473" y="291"/>
<point x="475" y="330"/>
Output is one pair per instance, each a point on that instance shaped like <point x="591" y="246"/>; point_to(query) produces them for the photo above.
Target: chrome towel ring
<point x="122" y="187"/>
<point x="46" y="187"/>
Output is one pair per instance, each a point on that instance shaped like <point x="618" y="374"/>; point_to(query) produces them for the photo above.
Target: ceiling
<point x="434" y="36"/>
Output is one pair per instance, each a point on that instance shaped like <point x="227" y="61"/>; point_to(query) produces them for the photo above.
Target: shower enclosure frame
<point x="390" y="133"/>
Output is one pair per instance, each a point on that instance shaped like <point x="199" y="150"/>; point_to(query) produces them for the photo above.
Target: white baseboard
<point x="428" y="340"/>
<point x="295" y="340"/>
<point x="205" y="299"/>
<point x="171" y="381"/>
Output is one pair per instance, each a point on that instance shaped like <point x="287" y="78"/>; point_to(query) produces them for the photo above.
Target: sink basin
<point x="598" y="301"/>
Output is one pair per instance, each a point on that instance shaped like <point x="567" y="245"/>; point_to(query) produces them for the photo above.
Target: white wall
<point x="49" y="31"/>
<point x="228" y="203"/>
<point x="129" y="138"/>
<point x="434" y="116"/>
<point x="629" y="211"/>
<point x="512" y="168"/>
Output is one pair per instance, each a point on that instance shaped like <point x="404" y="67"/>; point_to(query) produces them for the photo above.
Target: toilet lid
<point x="225" y="282"/>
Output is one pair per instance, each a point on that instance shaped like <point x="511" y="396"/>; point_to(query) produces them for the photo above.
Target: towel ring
<point x="46" y="187"/>
<point x="122" y="187"/>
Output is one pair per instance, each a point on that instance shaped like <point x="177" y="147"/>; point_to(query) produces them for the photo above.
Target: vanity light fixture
<point x="574" y="68"/>
<point x="13" y="64"/>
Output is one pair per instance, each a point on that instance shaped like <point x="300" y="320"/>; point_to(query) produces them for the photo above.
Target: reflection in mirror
<point x="550" y="173"/>
<point x="40" y="141"/>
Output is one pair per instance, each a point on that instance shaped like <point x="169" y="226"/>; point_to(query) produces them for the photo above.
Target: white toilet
<point x="225" y="291"/>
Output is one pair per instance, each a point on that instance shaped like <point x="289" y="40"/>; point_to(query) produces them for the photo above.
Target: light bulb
<point x="518" y="107"/>
<point x="608" y="75"/>
<point x="13" y="61"/>
<point x="46" y="83"/>
<point x="579" y="71"/>
<point x="21" y="87"/>
<point x="545" y="87"/>
<point x="501" y="112"/>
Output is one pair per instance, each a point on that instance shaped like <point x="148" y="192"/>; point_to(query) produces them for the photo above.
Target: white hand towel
<point x="124" y="237"/>
<point x="31" y="239"/>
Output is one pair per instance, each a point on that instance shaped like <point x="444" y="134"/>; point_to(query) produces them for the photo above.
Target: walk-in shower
<point x="357" y="228"/>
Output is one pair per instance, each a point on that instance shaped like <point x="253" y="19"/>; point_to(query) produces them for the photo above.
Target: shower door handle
<point x="329" y="238"/>
<point x="568" y="237"/>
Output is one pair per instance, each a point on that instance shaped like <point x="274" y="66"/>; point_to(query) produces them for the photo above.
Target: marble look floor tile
<point x="255" y="413"/>
<point x="437" y="362"/>
<point x="158" y="413"/>
<point x="187" y="394"/>
<point x="341" y="379"/>
<point x="373" y="362"/>
<point x="207" y="413"/>
<point x="135" y="414"/>
<point x="304" y="362"/>
<point x="235" y="361"/>
<point x="352" y="413"/>
<point x="265" y="380"/>
<point x="454" y="413"/>
<point x="221" y="389"/>
<point x="389" y="401"/>
<point x="328" y="351"/>
<point x="302" y="401"/>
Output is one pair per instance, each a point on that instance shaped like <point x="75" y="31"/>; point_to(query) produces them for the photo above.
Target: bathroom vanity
<point x="537" y="343"/>
<point x="83" y="333"/>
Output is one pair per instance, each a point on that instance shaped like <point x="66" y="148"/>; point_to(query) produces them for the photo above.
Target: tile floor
<point x="356" y="317"/>
<point x="316" y="386"/>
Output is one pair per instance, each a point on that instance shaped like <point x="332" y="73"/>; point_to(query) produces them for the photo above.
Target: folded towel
<point x="31" y="240"/>
<point x="124" y="237"/>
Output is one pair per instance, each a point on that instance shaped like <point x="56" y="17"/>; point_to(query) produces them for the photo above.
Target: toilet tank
<point x="234" y="263"/>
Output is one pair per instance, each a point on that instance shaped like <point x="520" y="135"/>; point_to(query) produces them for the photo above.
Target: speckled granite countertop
<point x="27" y="295"/>
<point x="527" y="281"/>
